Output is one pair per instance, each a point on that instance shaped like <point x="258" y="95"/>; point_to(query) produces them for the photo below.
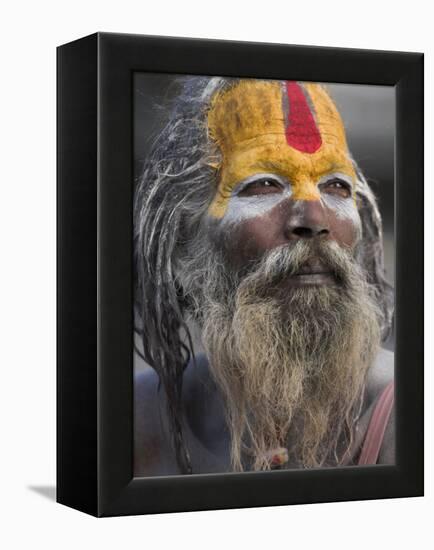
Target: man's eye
<point x="337" y="187"/>
<point x="261" y="187"/>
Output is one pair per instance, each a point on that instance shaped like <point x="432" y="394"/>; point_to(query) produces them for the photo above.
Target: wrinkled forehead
<point x="285" y="127"/>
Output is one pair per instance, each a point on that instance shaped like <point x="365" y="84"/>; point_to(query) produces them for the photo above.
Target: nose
<point x="307" y="220"/>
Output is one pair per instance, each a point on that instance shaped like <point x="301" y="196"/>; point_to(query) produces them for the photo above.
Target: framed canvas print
<point x="240" y="274"/>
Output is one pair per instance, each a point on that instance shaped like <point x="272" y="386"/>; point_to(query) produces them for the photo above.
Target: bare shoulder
<point x="201" y="421"/>
<point x="145" y="399"/>
<point x="380" y="375"/>
<point x="150" y="437"/>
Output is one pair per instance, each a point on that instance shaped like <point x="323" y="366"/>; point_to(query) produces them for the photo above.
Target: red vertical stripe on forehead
<point x="301" y="130"/>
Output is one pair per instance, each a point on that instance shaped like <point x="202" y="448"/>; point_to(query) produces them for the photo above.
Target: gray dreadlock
<point x="172" y="195"/>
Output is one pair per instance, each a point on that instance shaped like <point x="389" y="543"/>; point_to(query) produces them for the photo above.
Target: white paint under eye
<point x="242" y="208"/>
<point x="344" y="207"/>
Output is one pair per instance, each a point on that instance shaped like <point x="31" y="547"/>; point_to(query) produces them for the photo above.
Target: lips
<point x="313" y="273"/>
<point x="313" y="267"/>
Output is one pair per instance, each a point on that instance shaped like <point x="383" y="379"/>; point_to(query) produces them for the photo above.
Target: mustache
<point x="304" y="257"/>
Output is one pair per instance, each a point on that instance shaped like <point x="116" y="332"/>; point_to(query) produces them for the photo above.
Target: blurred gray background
<point x="368" y="113"/>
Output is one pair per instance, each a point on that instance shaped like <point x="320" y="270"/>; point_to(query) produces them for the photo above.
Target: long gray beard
<point x="291" y="362"/>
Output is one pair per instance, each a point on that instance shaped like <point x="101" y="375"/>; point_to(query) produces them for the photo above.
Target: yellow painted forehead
<point x="288" y="128"/>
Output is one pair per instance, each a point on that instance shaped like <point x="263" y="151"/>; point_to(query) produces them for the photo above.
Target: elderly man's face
<point x="285" y="174"/>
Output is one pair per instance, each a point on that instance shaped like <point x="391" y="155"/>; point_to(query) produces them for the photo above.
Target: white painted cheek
<point x="244" y="208"/>
<point x="345" y="209"/>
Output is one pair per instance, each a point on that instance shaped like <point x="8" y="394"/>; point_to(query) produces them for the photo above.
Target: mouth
<point x="313" y="272"/>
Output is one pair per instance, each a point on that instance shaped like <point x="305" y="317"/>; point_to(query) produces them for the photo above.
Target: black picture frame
<point x="94" y="198"/>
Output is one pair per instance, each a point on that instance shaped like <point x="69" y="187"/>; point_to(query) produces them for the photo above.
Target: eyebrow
<point x="241" y="185"/>
<point x="267" y="165"/>
<point x="336" y="174"/>
<point x="333" y="170"/>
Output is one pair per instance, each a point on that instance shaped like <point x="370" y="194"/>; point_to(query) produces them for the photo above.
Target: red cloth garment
<point x="377" y="427"/>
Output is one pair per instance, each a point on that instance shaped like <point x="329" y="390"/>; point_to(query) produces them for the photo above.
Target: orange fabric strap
<point x="377" y="427"/>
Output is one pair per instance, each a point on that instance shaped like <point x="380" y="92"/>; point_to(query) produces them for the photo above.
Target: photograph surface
<point x="263" y="275"/>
